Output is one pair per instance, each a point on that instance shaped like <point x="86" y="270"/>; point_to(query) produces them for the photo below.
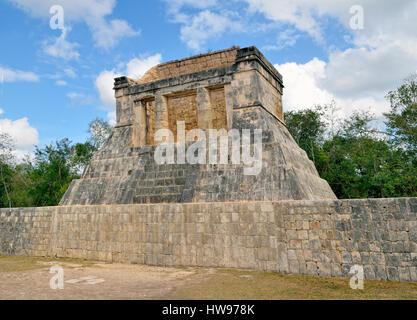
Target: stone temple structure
<point x="130" y="208"/>
<point x="228" y="89"/>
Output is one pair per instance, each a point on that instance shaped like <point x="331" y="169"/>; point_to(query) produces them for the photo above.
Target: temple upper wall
<point x="203" y="91"/>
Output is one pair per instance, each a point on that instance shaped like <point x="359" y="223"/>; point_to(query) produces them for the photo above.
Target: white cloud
<point x="104" y="84"/>
<point x="383" y="20"/>
<point x="61" y="83"/>
<point x="306" y="86"/>
<point x="69" y="72"/>
<point x="112" y="118"/>
<point x="74" y="95"/>
<point x="206" y="25"/>
<point x="362" y="71"/>
<point x="286" y="38"/>
<point x="24" y="136"/>
<point x="301" y="13"/>
<point x="386" y="23"/>
<point x="301" y="84"/>
<point x="105" y="32"/>
<point x="175" y="6"/>
<point x="11" y="75"/>
<point x="1" y="112"/>
<point x="135" y="68"/>
<point x="356" y="78"/>
<point x="383" y="53"/>
<point x="60" y="47"/>
<point x="80" y="99"/>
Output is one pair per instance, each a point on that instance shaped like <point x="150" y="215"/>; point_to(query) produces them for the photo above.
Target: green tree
<point x="100" y="131"/>
<point x="51" y="173"/>
<point x="364" y="164"/>
<point x="402" y="118"/>
<point x="81" y="154"/>
<point x="20" y="186"/>
<point x="355" y="158"/>
<point x="307" y="128"/>
<point x="43" y="180"/>
<point x="6" y="168"/>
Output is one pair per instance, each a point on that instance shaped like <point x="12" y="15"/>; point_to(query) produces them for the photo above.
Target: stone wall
<point x="189" y="65"/>
<point x="119" y="174"/>
<point x="182" y="107"/>
<point x="218" y="108"/>
<point x="309" y="237"/>
<point x="219" y="82"/>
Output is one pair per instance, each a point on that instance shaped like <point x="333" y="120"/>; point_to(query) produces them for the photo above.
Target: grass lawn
<point x="13" y="263"/>
<point x="228" y="284"/>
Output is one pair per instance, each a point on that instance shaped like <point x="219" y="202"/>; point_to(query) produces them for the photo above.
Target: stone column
<point x="161" y="112"/>
<point x="204" y="109"/>
<point x="124" y="101"/>
<point x="229" y="105"/>
<point x="118" y="94"/>
<point x="139" y="125"/>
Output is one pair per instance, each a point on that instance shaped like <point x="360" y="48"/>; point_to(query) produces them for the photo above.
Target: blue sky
<point x="54" y="82"/>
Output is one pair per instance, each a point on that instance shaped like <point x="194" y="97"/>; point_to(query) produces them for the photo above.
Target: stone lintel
<point x="250" y="54"/>
<point x="222" y="72"/>
<point x="123" y="82"/>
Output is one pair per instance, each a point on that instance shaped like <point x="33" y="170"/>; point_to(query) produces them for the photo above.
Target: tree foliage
<point x="402" y="118"/>
<point x="307" y="128"/>
<point x="6" y="165"/>
<point x="51" y="173"/>
<point x="357" y="159"/>
<point x="43" y="179"/>
<point x="100" y="131"/>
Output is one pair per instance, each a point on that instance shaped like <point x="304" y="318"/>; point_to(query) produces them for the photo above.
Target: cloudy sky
<point x="57" y="75"/>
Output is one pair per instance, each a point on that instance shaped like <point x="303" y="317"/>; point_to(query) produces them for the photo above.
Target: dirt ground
<point x="94" y="281"/>
<point x="29" y="278"/>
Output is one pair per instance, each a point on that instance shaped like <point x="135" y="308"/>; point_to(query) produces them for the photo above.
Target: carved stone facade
<point x="203" y="91"/>
<point x="228" y="89"/>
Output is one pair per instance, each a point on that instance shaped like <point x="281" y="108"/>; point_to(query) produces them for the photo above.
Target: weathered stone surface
<point x="235" y="235"/>
<point x="127" y="208"/>
<point x="230" y="89"/>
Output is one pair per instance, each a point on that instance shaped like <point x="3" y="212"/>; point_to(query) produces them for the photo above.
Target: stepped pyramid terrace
<point x="224" y="90"/>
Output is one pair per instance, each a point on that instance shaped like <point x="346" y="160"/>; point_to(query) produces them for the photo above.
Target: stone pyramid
<point x="232" y="90"/>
